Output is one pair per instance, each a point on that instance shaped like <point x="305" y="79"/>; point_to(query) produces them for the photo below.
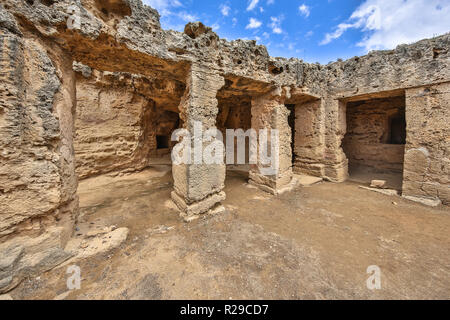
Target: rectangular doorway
<point x="375" y="140"/>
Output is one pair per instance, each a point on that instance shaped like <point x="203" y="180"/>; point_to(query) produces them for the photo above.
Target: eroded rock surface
<point x="97" y="86"/>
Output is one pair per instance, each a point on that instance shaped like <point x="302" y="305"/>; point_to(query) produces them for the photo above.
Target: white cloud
<point x="304" y="10"/>
<point x="172" y="15"/>
<point x="341" y="28"/>
<point x="252" y="4"/>
<point x="187" y="17"/>
<point x="253" y="24"/>
<point x="225" y="9"/>
<point x="388" y="23"/>
<point x="215" y="26"/>
<point x="275" y="24"/>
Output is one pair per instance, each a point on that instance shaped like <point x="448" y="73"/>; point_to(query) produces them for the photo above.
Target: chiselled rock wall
<point x="367" y="141"/>
<point x="124" y="57"/>
<point x="235" y="114"/>
<point x="114" y="128"/>
<point x="38" y="202"/>
<point x="371" y="76"/>
<point x="424" y="62"/>
<point x="37" y="105"/>
<point x="427" y="155"/>
<point x="119" y="117"/>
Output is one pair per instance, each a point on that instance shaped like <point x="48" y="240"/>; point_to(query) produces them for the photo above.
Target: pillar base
<point x="192" y="211"/>
<point x="337" y="173"/>
<point x="271" y="186"/>
<point x="310" y="169"/>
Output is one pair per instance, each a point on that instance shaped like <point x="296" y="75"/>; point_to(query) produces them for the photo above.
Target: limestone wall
<point x="417" y="64"/>
<point x="235" y="114"/>
<point x="115" y="129"/>
<point x="138" y="62"/>
<point x="126" y="37"/>
<point x="367" y="141"/>
<point x="37" y="183"/>
<point x="38" y="202"/>
<point x="427" y="157"/>
<point x="119" y="119"/>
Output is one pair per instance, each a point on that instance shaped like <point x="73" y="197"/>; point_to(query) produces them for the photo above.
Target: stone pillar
<point x="335" y="160"/>
<point x="269" y="112"/>
<point x="309" y="140"/>
<point x="426" y="169"/>
<point x="199" y="187"/>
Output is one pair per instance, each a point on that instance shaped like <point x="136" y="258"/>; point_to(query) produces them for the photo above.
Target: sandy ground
<point x="364" y="176"/>
<point x="313" y="243"/>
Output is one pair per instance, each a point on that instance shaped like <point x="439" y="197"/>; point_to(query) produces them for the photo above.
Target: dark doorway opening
<point x="162" y="142"/>
<point x="291" y="122"/>
<point x="397" y="130"/>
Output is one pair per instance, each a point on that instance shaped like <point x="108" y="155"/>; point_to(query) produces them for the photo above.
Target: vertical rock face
<point x="122" y="120"/>
<point x="235" y="114"/>
<point x="427" y="157"/>
<point x="114" y="129"/>
<point x="38" y="202"/>
<point x="37" y="154"/>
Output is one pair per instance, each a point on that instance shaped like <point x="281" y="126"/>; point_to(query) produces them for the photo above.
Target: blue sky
<point x="313" y="30"/>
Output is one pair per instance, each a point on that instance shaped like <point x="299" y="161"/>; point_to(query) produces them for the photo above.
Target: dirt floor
<point x="313" y="243"/>
<point x="364" y="175"/>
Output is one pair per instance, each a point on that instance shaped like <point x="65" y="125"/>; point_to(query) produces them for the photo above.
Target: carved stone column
<point x="199" y="186"/>
<point x="269" y="112"/>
